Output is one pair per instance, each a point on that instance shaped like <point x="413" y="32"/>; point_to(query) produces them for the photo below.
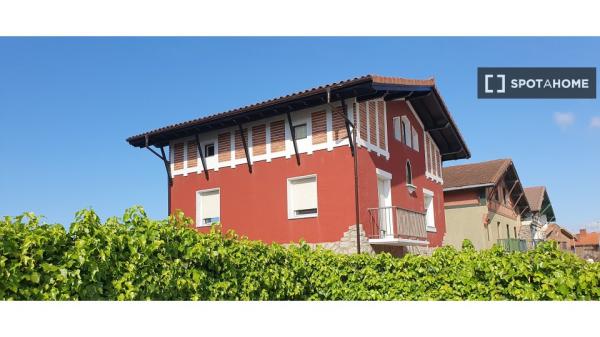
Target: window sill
<point x="294" y="217"/>
<point x="431" y="229"/>
<point x="411" y="188"/>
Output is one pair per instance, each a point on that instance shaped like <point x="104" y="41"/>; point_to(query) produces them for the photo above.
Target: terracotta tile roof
<point x="366" y="78"/>
<point x="586" y="239"/>
<point x="487" y="172"/>
<point x="553" y="227"/>
<point x="535" y="196"/>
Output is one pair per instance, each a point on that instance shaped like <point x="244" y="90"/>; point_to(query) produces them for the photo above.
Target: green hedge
<point x="136" y="258"/>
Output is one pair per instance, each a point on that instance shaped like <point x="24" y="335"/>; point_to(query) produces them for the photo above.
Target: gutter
<point x="467" y="187"/>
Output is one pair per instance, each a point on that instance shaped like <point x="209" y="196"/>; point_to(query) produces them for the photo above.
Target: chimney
<point x="582" y="232"/>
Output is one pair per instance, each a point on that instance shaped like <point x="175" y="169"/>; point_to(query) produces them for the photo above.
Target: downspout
<point x="354" y="151"/>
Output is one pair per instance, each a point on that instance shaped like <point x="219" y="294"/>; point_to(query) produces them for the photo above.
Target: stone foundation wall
<point x="347" y="245"/>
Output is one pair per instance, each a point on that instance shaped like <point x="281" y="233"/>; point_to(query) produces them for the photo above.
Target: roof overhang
<point x="466" y="187"/>
<point x="422" y="94"/>
<point x="546" y="207"/>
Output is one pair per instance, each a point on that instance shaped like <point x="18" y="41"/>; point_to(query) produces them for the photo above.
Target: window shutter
<point x="397" y="132"/>
<point x="406" y="131"/>
<point x="415" y="139"/>
<point x="210" y="204"/>
<point x="427" y="151"/>
<point x="304" y="193"/>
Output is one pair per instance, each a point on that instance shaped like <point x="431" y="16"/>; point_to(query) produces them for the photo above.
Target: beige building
<point x="483" y="203"/>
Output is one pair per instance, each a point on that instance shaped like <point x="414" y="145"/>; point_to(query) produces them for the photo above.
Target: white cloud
<point x="564" y="119"/>
<point x="595" y="122"/>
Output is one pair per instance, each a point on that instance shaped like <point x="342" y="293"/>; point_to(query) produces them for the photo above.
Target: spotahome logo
<point x="536" y="82"/>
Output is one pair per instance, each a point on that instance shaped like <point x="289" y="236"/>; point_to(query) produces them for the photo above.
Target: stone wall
<point x="347" y="245"/>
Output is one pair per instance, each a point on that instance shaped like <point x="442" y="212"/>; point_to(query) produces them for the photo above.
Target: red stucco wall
<point x="396" y="165"/>
<point x="255" y="204"/>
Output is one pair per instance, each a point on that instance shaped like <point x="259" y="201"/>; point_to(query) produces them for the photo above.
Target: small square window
<point x="300" y="131"/>
<point x="209" y="150"/>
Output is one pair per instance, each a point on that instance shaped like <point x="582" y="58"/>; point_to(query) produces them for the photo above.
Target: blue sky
<point x="67" y="105"/>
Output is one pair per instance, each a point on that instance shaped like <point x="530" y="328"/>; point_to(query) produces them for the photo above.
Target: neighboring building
<point x="535" y="220"/>
<point x="565" y="239"/>
<point x="283" y="170"/>
<point x="587" y="245"/>
<point x="483" y="203"/>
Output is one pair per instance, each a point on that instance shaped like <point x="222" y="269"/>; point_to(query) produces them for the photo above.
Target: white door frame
<point x="384" y="199"/>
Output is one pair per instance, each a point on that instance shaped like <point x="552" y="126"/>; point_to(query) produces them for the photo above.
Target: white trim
<point x="428" y="192"/>
<point x="377" y="125"/>
<point x="398" y="242"/>
<point x="385" y="129"/>
<point x="383" y="174"/>
<point x="357" y="124"/>
<point x="185" y="158"/>
<point x="268" y="142"/>
<point x="172" y="157"/>
<point x="232" y="147"/>
<point x="250" y="143"/>
<point x="329" y="123"/>
<point x="398" y="136"/>
<point x="429" y="158"/>
<point x="291" y="215"/>
<point x="204" y="191"/>
<point x="269" y="155"/>
<point x="407" y="140"/>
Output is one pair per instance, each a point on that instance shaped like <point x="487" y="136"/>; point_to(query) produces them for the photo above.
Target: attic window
<point x="300" y="131"/>
<point x="209" y="150"/>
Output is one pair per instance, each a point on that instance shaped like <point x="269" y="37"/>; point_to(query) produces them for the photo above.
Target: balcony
<point x="513" y="245"/>
<point x="395" y="226"/>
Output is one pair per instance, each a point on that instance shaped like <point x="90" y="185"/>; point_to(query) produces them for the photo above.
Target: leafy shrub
<point x="135" y="258"/>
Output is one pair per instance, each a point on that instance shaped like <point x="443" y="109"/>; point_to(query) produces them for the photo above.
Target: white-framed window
<point x="397" y="129"/>
<point x="406" y="131"/>
<point x="302" y="197"/>
<point x="208" y="207"/>
<point x="409" y="176"/>
<point x="429" y="210"/>
<point x="301" y="131"/>
<point x="209" y="150"/>
<point x="433" y="158"/>
<point x="415" y="139"/>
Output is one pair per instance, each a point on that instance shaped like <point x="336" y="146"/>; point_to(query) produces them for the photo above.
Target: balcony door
<point x="386" y="216"/>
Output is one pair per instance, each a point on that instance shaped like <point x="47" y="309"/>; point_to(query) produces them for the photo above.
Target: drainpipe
<point x="354" y="149"/>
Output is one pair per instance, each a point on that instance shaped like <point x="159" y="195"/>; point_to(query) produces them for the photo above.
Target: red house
<point x="286" y="170"/>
